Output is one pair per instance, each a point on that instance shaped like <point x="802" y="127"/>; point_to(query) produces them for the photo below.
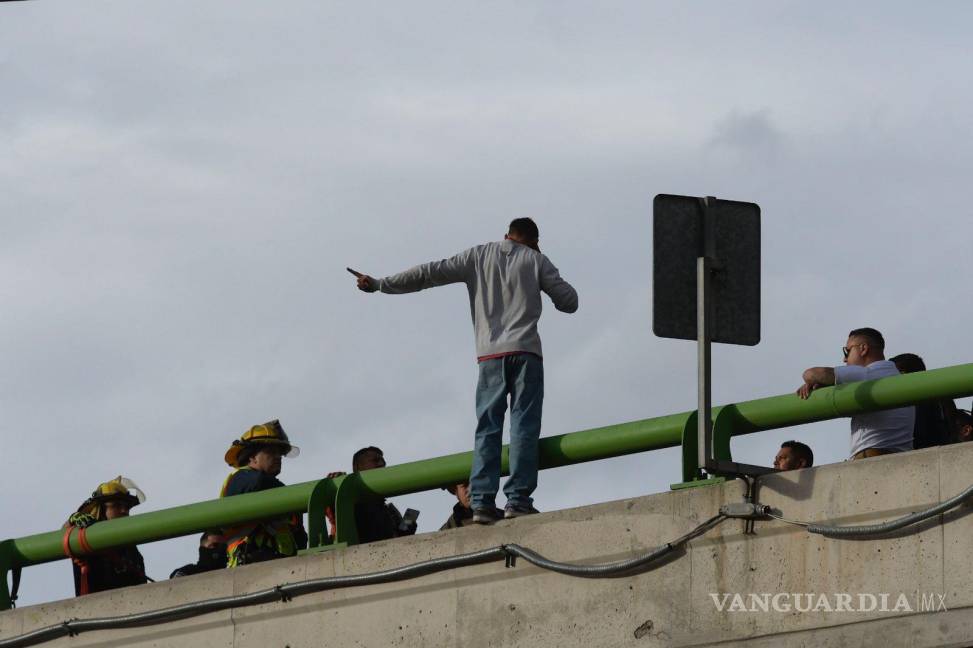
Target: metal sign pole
<point x="703" y="373"/>
<point x="704" y="310"/>
<point x="723" y="238"/>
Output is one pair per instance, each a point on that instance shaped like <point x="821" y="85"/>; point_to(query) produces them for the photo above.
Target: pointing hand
<point x="366" y="283"/>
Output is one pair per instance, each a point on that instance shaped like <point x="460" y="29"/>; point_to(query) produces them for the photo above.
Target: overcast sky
<point x="182" y="185"/>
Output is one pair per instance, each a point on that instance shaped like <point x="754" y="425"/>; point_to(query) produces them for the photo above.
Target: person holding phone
<point x="505" y="280"/>
<point x="375" y="518"/>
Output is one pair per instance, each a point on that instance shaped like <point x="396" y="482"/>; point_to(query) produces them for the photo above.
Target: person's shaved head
<point x="869" y="336"/>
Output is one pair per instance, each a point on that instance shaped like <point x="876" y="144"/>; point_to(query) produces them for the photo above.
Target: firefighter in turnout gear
<point x="257" y="459"/>
<point x="97" y="571"/>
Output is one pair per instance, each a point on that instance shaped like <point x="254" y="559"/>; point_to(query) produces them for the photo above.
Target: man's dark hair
<point x="873" y="337"/>
<point x="211" y="533"/>
<point x="524" y="228"/>
<point x="803" y="451"/>
<point x="355" y="458"/>
<point x="908" y="363"/>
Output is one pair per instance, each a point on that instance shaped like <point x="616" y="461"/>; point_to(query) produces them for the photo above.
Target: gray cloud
<point x="748" y="132"/>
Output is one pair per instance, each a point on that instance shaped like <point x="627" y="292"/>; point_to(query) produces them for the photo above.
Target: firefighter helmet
<point x="120" y="488"/>
<point x="269" y="433"/>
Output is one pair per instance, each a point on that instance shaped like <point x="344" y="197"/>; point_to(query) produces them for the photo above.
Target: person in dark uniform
<point x="212" y="555"/>
<point x="934" y="418"/>
<point x="109" y="568"/>
<point x="257" y="458"/>
<point x="375" y="518"/>
<point x="462" y="512"/>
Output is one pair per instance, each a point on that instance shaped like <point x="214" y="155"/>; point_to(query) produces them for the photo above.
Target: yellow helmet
<point x="269" y="433"/>
<point x="117" y="489"/>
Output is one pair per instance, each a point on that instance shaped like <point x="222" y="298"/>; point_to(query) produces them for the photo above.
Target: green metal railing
<point x="342" y="493"/>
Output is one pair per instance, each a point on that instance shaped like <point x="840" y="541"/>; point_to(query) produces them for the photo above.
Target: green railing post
<point x="690" y="455"/>
<point x="349" y="494"/>
<point x="322" y="497"/>
<point x="722" y="431"/>
<point x="6" y="562"/>
<point x="723" y="425"/>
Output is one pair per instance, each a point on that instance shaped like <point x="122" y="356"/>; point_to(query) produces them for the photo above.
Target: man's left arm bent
<point x="563" y="294"/>
<point x="815" y="377"/>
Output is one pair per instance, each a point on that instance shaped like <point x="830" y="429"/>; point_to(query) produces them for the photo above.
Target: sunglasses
<point x="846" y="351"/>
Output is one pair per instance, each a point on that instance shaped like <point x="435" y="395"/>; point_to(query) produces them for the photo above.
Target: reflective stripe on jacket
<point x="274" y="535"/>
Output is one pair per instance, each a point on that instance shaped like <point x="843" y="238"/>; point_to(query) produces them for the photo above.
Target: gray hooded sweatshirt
<point x="504" y="280"/>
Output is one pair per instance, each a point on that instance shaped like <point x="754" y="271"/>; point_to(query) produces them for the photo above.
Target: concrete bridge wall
<point x="491" y="605"/>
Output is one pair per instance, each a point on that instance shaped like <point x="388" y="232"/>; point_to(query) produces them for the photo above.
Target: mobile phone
<point x="410" y="515"/>
<point x="408" y="524"/>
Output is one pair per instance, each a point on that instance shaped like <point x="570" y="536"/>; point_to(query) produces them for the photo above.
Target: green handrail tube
<point x="555" y="451"/>
<point x="165" y="524"/>
<point x="566" y="449"/>
<point x="853" y="398"/>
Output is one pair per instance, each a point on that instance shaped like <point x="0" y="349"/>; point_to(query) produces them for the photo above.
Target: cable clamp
<point x="745" y="510"/>
<point x="284" y="596"/>
<point x="67" y="626"/>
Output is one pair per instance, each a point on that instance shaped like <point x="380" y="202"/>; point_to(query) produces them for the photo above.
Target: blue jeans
<point x="522" y="378"/>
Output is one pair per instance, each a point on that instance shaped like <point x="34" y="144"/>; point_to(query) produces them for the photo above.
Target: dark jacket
<point x="209" y="559"/>
<point x="461" y="517"/>
<point x="376" y="520"/>
<point x="247" y="480"/>
<point x="110" y="569"/>
<point x="934" y="423"/>
<point x="254" y="541"/>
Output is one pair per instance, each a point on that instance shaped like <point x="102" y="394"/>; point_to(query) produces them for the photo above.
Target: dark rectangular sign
<point x="678" y="240"/>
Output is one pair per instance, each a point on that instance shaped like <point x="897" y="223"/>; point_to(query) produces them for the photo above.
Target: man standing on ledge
<point x="872" y="433"/>
<point x="504" y="280"/>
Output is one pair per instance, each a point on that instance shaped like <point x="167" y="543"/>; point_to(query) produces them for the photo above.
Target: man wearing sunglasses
<point x="872" y="433"/>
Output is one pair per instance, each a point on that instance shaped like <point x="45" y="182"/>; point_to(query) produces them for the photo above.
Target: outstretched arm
<point x="455" y="269"/>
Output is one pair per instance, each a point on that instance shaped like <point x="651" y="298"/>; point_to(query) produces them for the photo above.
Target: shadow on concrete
<point x="800" y="490"/>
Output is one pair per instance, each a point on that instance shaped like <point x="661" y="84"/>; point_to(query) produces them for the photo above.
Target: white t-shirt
<point x="891" y="428"/>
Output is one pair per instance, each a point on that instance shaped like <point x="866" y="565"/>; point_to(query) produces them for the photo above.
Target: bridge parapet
<point x="676" y="604"/>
